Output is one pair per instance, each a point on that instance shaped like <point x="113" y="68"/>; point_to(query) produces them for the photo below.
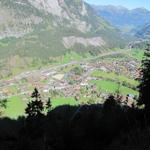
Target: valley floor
<point x="76" y="82"/>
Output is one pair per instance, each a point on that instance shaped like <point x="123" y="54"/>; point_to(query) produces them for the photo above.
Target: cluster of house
<point x="127" y="67"/>
<point x="53" y="79"/>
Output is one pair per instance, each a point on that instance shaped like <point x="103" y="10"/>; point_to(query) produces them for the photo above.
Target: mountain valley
<point x="128" y="21"/>
<point x="68" y="51"/>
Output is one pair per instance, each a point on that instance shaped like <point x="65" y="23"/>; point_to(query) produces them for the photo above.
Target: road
<point x="57" y="67"/>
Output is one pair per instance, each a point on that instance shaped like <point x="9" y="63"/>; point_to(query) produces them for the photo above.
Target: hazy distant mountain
<point x="50" y="27"/>
<point x="123" y="18"/>
<point x="144" y="33"/>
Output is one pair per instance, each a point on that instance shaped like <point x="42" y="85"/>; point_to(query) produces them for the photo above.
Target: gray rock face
<point x="71" y="41"/>
<point x="50" y="27"/>
<point x="15" y="25"/>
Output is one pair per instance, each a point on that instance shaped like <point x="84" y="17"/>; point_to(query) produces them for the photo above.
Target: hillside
<point x="144" y="33"/>
<point x="50" y="28"/>
<point x="128" y="21"/>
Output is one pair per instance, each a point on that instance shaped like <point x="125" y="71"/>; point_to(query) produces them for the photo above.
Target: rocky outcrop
<point x="14" y="25"/>
<point x="50" y="6"/>
<point x="72" y="40"/>
<point x="45" y="28"/>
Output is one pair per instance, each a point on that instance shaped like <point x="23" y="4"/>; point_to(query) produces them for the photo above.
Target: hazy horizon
<point x="127" y="4"/>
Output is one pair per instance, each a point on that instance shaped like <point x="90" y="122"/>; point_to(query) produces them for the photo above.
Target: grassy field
<point x="70" y="56"/>
<point x="16" y="106"/>
<point x="115" y="77"/>
<point x="112" y="87"/>
<point x="64" y="101"/>
<point x="137" y="54"/>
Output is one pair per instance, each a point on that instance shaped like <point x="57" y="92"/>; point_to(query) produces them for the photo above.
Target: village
<point x="66" y="80"/>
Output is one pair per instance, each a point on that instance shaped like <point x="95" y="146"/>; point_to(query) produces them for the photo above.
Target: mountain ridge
<point x="128" y="21"/>
<point x="144" y="32"/>
<point x="30" y="27"/>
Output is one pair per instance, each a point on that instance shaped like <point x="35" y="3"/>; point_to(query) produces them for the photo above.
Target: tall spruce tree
<point x="35" y="107"/>
<point x="48" y="104"/>
<point x="144" y="87"/>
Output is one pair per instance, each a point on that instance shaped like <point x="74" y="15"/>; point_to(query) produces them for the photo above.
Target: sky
<point x="131" y="4"/>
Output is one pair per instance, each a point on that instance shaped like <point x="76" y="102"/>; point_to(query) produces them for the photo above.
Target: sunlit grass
<point x="112" y="87"/>
<point x="64" y="101"/>
<point x="15" y="107"/>
<point x="115" y="77"/>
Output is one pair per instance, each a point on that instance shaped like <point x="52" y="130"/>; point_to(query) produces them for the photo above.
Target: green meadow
<point x="64" y="101"/>
<point x="137" y="54"/>
<point x="114" y="76"/>
<point x="16" y="106"/>
<point x="112" y="87"/>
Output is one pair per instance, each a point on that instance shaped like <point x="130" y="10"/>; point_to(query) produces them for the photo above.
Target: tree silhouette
<point x="110" y="103"/>
<point x="144" y="87"/>
<point x="3" y="103"/>
<point x="35" y="107"/>
<point x="48" y="105"/>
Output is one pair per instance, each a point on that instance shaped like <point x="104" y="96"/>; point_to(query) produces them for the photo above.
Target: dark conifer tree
<point x="109" y="104"/>
<point x="48" y="104"/>
<point x="35" y="107"/>
<point x="3" y="103"/>
<point x="144" y="87"/>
